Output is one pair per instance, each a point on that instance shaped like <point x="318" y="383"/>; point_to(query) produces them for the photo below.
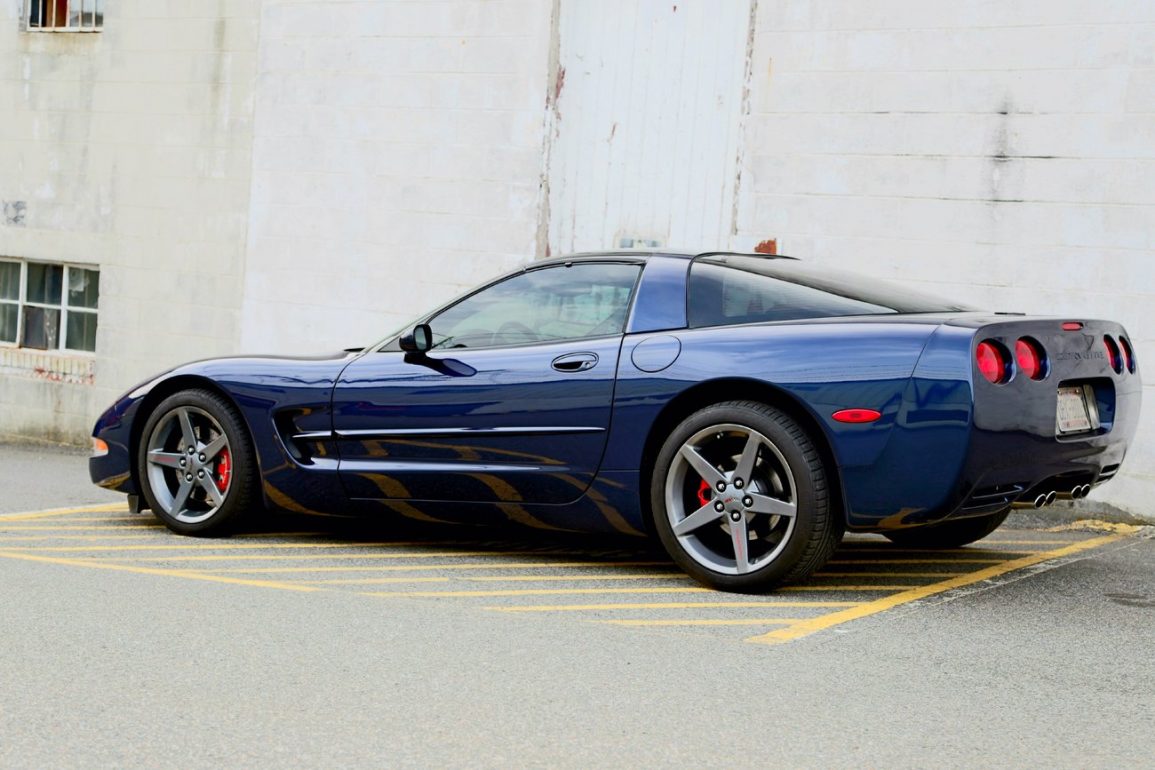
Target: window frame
<point x="64" y="307"/>
<point x="91" y="8"/>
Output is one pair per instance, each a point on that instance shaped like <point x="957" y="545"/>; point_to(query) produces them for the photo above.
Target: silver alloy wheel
<point x="731" y="499"/>
<point x="189" y="464"/>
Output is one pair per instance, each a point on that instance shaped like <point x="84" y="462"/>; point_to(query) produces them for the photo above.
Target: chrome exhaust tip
<point x="1084" y="490"/>
<point x="1040" y="501"/>
<point x="1050" y="497"/>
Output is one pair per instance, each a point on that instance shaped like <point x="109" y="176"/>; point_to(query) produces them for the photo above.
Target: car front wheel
<point x="196" y="464"/>
<point x="741" y="499"/>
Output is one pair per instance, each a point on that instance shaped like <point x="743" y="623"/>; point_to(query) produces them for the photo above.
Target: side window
<point x="722" y="295"/>
<point x="553" y="303"/>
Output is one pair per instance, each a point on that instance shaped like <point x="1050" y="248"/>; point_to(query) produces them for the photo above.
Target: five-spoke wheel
<point x="740" y="498"/>
<point x="194" y="463"/>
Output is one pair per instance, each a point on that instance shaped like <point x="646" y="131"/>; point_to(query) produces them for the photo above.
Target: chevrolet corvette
<point x="746" y="410"/>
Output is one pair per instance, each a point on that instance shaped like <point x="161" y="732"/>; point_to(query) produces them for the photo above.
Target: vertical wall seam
<point x="549" y="129"/>
<point x="740" y="155"/>
<point x="247" y="244"/>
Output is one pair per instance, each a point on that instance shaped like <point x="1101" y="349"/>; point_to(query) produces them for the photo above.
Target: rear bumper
<point x="1004" y="469"/>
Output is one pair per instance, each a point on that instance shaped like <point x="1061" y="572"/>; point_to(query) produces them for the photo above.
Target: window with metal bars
<point x="47" y="306"/>
<point x="65" y="15"/>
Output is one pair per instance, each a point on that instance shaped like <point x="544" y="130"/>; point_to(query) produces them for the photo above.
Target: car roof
<point x="643" y="255"/>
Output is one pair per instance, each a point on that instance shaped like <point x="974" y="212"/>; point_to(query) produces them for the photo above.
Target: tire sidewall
<point x="810" y="504"/>
<point x="242" y="463"/>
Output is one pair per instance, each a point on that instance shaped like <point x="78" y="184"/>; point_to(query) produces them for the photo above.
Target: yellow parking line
<point x="72" y="538"/>
<point x="70" y="528"/>
<point x="391" y="580"/>
<point x="566" y="578"/>
<point x="796" y="589"/>
<point x="260" y="535"/>
<point x="144" y="519"/>
<point x="345" y="557"/>
<point x="157" y="571"/>
<point x="882" y="551"/>
<point x="1052" y="541"/>
<point x="202" y="545"/>
<point x="701" y="622"/>
<point x="31" y="515"/>
<point x="813" y="625"/>
<point x="877" y="562"/>
<point x="886" y="574"/>
<point x="662" y="606"/>
<point x="421" y="567"/>
<point x="526" y="591"/>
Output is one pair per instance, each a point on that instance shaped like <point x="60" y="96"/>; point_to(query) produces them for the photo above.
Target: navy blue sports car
<point x="745" y="409"/>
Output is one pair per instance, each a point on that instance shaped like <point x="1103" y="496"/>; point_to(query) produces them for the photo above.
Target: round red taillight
<point x="1030" y="357"/>
<point x="992" y="361"/>
<point x="1128" y="354"/>
<point x="1113" y="355"/>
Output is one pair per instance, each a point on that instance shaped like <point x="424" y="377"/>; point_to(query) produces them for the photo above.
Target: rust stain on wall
<point x="559" y="83"/>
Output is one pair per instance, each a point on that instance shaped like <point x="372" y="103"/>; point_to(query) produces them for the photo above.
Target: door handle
<point x="575" y="362"/>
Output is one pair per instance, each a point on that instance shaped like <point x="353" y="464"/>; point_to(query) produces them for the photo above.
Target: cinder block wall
<point x="130" y="150"/>
<point x="397" y="161"/>
<point x="999" y="153"/>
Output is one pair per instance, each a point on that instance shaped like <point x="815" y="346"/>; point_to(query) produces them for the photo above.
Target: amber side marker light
<point x="856" y="415"/>
<point x="99" y="447"/>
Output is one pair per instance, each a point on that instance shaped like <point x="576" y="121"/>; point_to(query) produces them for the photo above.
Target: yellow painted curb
<point x="1095" y="525"/>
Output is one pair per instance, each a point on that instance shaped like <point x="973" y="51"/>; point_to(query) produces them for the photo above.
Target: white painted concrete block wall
<point x="1000" y="153"/>
<point x="131" y="148"/>
<point x="397" y="161"/>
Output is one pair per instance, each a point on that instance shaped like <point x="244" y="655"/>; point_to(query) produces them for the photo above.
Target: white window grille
<point x="46" y="306"/>
<point x="65" y="15"/>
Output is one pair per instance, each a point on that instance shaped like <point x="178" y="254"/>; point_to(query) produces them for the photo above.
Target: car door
<point x="511" y="404"/>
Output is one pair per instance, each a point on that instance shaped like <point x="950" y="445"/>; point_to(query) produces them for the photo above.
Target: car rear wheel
<point x="741" y="500"/>
<point x="196" y="464"/>
<point x="951" y="534"/>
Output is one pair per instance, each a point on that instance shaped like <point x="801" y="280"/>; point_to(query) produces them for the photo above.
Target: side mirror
<point x="419" y="340"/>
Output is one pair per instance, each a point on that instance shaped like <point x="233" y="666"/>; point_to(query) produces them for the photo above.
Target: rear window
<point x="735" y="289"/>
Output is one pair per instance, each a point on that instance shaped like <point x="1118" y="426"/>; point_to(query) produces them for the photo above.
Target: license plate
<point x="1074" y="414"/>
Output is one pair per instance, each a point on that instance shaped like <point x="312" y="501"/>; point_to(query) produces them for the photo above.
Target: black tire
<point x="951" y="534"/>
<point x="754" y="526"/>
<point x="165" y="466"/>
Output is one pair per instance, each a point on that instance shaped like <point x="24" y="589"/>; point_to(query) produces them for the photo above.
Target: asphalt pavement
<point x="317" y="643"/>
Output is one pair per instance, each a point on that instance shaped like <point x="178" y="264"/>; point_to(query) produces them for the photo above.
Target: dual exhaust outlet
<point x="1046" y="498"/>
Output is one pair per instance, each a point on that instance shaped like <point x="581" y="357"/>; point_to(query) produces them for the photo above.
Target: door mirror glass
<point x="417" y="341"/>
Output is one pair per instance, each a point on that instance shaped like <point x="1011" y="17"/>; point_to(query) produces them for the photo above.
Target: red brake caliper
<point x="224" y="470"/>
<point x="704" y="493"/>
